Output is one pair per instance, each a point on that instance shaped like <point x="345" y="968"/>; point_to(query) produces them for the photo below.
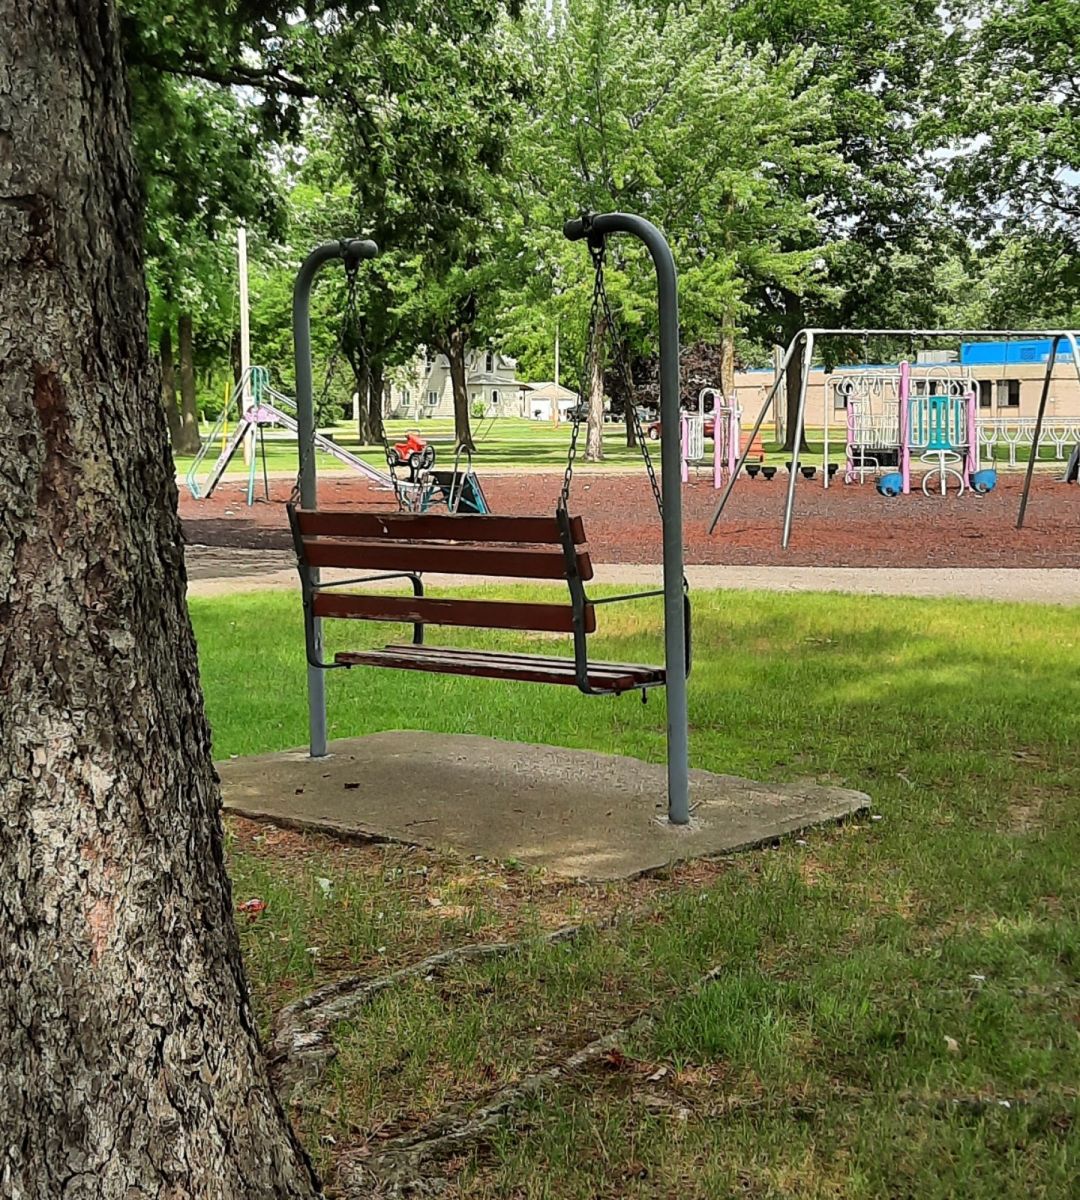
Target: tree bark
<point x="168" y="386"/>
<point x="376" y="390"/>
<point x="362" y="383"/>
<point x="793" y="387"/>
<point x="727" y="358"/>
<point x="594" y="433"/>
<point x="454" y="346"/>
<point x="131" y="1066"/>
<point x="189" y="410"/>
<point x="793" y="383"/>
<point x="629" y="400"/>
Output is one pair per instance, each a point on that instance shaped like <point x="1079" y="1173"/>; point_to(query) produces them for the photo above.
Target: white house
<point x="541" y="400"/>
<point x="424" y="389"/>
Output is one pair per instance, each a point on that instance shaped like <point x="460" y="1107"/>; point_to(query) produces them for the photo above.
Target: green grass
<point x="884" y="986"/>
<point x="505" y="444"/>
<point x="513" y="444"/>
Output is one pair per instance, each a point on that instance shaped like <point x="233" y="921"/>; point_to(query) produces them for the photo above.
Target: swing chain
<point x="349" y="317"/>
<point x="591" y="348"/>
<point x="601" y="310"/>
<point x="622" y="367"/>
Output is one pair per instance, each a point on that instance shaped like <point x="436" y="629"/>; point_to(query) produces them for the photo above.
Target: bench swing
<point x="406" y="545"/>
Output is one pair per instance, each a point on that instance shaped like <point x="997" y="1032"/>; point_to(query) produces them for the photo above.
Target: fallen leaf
<point x="615" y="1060"/>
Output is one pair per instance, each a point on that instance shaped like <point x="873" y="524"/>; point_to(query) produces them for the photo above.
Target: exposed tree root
<point x="302" y="1044"/>
<point x="399" y="1168"/>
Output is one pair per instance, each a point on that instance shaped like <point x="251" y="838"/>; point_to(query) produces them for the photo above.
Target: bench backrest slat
<point x="478" y="614"/>
<point x="436" y="527"/>
<point x="447" y="558"/>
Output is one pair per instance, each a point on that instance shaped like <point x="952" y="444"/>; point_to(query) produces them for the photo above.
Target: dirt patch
<point x="840" y="527"/>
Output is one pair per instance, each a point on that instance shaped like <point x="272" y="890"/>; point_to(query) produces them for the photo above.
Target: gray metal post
<point x="352" y="250"/>
<point x="800" y="421"/>
<point x="1037" y="433"/>
<point x="750" y="440"/>
<point x="671" y="484"/>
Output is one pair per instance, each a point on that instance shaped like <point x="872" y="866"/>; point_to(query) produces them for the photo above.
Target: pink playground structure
<point x="715" y="417"/>
<point x="900" y="419"/>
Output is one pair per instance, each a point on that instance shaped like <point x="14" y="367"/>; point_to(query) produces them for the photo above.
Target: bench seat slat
<point x="434" y="527"/>
<point x="479" y="614"/>
<point x="494" y="665"/>
<point x="642" y="668"/>
<point x="448" y="559"/>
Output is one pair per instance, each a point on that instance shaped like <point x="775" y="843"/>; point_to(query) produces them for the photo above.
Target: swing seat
<point x="407" y="545"/>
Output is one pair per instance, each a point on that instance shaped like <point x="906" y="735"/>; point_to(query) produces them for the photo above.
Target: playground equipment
<point x="265" y="406"/>
<point x="928" y="413"/>
<point x="1072" y="468"/>
<point x="425" y="487"/>
<point x="414" y="452"/>
<point x="1012" y="433"/>
<point x="711" y="417"/>
<point x="804" y="342"/>
<point x="406" y="545"/>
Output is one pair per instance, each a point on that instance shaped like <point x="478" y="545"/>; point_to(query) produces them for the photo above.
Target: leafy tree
<point x="641" y="108"/>
<point x="204" y="168"/>
<point x="1013" y="179"/>
<point x="426" y="164"/>
<point x="883" y="62"/>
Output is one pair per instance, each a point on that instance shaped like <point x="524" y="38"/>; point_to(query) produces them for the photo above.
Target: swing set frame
<point x="806" y="339"/>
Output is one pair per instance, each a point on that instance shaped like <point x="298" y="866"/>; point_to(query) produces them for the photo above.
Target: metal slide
<point x="268" y="407"/>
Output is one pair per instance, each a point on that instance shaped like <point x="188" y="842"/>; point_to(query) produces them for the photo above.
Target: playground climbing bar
<point x="351" y="252"/>
<point x="598" y="227"/>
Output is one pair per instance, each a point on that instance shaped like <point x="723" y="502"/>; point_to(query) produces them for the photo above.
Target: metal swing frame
<point x="676" y="624"/>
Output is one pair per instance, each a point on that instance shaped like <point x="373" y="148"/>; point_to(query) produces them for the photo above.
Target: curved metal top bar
<point x="351" y="251"/>
<point x="355" y="249"/>
<point x="601" y="224"/>
<point x="595" y="229"/>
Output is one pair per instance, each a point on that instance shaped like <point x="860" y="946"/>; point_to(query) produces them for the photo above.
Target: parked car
<point x="652" y="431"/>
<point x="580" y="412"/>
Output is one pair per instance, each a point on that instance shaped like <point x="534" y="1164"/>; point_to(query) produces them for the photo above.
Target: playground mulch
<point x="838" y="527"/>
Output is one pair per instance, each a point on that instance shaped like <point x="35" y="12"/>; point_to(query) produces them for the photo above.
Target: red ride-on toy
<point x="414" y="452"/>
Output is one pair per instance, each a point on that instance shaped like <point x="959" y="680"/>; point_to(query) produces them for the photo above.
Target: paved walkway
<point x="216" y="572"/>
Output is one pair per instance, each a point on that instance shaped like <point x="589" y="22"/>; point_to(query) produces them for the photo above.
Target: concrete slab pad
<point x="574" y="813"/>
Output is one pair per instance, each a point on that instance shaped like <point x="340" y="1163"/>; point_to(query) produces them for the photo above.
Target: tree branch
<point x="234" y="76"/>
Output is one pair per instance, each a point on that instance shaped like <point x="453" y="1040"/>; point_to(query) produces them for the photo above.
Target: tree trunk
<point x="629" y="400"/>
<point x="362" y="383"/>
<point x="727" y="358"/>
<point x="793" y="386"/>
<point x="376" y="391"/>
<point x="594" y="433"/>
<point x="793" y="383"/>
<point x="168" y="386"/>
<point x="131" y="1063"/>
<point x="237" y="370"/>
<point x="189" y="410"/>
<point x="454" y="347"/>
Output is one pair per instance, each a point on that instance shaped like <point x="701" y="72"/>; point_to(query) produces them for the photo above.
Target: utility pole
<point x="245" y="335"/>
<point x="555" y="402"/>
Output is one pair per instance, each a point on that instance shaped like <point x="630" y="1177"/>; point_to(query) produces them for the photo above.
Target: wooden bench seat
<point x="408" y="545"/>
<point x="494" y="664"/>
